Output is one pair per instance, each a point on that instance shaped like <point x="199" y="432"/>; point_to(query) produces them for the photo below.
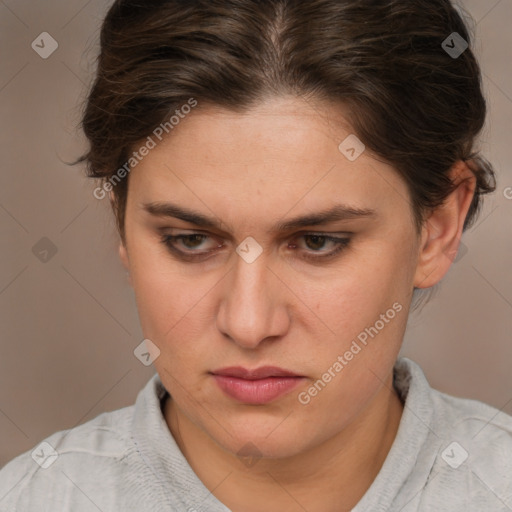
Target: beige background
<point x="69" y="326"/>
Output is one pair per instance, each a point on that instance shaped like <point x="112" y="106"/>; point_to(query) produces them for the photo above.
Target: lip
<point x="258" y="386"/>
<point x="258" y="373"/>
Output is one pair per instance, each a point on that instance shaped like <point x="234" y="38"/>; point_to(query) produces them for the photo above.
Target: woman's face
<point x="271" y="295"/>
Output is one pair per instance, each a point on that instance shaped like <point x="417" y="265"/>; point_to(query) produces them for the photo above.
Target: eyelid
<point x="341" y="241"/>
<point x="190" y="232"/>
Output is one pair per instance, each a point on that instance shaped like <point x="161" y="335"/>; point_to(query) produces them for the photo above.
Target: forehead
<point x="274" y="125"/>
<point x="281" y="155"/>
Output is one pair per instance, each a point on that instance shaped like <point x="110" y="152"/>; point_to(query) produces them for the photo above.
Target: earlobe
<point x="442" y="231"/>
<point x="123" y="252"/>
<point x="123" y="255"/>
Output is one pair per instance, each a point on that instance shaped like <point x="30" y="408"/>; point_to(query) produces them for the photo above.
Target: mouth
<point x="258" y="386"/>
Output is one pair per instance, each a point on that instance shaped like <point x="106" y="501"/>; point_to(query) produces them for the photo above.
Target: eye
<point x="190" y="241"/>
<point x="319" y="239"/>
<point x="193" y="241"/>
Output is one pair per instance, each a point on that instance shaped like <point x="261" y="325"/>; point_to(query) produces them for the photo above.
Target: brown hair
<point x="412" y="104"/>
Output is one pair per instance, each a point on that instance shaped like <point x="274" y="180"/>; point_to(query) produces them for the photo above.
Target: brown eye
<point x="318" y="241"/>
<point x="191" y="242"/>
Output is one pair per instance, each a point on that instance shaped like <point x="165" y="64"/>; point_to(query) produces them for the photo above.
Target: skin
<point x="250" y="170"/>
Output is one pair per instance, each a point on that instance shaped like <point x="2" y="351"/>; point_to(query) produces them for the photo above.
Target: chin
<point x="249" y="447"/>
<point x="261" y="439"/>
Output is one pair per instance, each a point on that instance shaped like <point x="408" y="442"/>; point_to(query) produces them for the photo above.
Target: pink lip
<point x="257" y="386"/>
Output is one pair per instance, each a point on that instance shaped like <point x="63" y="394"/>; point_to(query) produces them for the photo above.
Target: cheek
<point x="158" y="287"/>
<point x="177" y="307"/>
<point x="170" y="315"/>
<point x="366" y="286"/>
<point x="365" y="309"/>
<point x="367" y="312"/>
<point x="167" y="302"/>
<point x="175" y="310"/>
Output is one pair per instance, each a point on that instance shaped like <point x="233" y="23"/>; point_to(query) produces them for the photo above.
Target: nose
<point x="254" y="304"/>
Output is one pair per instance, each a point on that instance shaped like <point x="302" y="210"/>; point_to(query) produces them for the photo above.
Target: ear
<point x="112" y="198"/>
<point x="442" y="231"/>
<point x="123" y="252"/>
<point x="125" y="260"/>
<point x="123" y="255"/>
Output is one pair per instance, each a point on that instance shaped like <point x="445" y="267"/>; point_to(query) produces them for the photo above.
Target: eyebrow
<point x="335" y="213"/>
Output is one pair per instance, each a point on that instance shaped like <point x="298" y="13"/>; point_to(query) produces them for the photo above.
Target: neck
<point x="331" y="477"/>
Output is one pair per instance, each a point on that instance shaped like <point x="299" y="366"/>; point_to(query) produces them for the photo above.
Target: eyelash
<point x="169" y="240"/>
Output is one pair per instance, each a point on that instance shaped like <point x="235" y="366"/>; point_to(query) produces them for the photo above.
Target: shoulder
<point x="466" y="454"/>
<point x="50" y="469"/>
<point x="472" y="421"/>
<point x="475" y="450"/>
<point x="482" y="430"/>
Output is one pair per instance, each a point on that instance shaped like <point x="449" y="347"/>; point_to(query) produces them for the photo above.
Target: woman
<point x="286" y="176"/>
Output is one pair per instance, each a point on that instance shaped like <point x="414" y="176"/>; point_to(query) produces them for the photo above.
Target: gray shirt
<point x="449" y="455"/>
